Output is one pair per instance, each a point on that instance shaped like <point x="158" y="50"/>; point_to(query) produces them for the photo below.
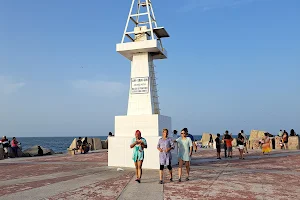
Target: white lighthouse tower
<point x="141" y="44"/>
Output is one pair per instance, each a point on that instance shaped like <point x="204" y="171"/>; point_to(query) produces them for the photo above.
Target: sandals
<point x="187" y="179"/>
<point x="161" y="182"/>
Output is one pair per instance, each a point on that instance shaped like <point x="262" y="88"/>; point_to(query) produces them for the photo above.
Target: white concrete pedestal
<point x="120" y="153"/>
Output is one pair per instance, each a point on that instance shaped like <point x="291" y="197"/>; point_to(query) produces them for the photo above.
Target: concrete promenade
<point x="274" y="176"/>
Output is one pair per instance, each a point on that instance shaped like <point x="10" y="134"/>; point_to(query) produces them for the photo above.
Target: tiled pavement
<point x="274" y="176"/>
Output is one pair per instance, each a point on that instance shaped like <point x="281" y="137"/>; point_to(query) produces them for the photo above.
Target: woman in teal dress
<point x="138" y="144"/>
<point x="185" y="145"/>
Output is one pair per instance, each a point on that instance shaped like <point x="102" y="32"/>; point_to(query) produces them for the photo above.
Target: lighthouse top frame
<point x="142" y="23"/>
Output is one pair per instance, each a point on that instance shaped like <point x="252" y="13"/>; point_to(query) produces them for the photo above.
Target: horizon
<point x="97" y="136"/>
<point x="232" y="65"/>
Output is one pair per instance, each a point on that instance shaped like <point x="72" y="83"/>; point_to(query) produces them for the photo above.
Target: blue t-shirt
<point x="191" y="136"/>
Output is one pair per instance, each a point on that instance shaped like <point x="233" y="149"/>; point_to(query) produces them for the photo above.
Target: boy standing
<point x="218" y="146"/>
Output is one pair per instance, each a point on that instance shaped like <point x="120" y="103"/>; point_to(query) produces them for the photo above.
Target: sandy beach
<point x="72" y="177"/>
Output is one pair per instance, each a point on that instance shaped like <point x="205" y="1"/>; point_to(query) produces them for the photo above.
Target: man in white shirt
<point x="174" y="137"/>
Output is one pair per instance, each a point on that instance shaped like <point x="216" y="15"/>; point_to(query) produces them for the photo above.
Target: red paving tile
<point x="41" y="166"/>
<point x="104" y="190"/>
<point x="9" y="189"/>
<point x="92" y="157"/>
<point x="30" y="170"/>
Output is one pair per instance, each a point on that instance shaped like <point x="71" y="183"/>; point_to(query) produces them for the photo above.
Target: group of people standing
<point x="242" y="141"/>
<point x="13" y="144"/>
<point x="285" y="138"/>
<point x="164" y="146"/>
<point x="226" y="140"/>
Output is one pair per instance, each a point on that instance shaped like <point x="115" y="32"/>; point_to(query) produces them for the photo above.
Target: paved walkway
<point x="274" y="176"/>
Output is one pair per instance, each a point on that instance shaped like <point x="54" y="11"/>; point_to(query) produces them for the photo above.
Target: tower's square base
<point x="119" y="151"/>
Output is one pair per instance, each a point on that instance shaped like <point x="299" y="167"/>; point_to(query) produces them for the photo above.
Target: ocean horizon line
<point x="76" y="136"/>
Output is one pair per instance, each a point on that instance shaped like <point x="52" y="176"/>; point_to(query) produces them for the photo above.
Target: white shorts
<point x="241" y="146"/>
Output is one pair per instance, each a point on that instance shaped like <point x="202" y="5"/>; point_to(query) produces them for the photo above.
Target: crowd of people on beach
<point x="285" y="138"/>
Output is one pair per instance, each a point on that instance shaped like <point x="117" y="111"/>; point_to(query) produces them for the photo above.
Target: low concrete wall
<point x="97" y="144"/>
<point x="254" y="144"/>
<point x="293" y="142"/>
<point x="104" y="144"/>
<point x="234" y="142"/>
<point x="205" y="138"/>
<point x="255" y="136"/>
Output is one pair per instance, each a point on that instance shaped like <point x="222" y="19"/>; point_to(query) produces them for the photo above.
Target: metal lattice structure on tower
<point x="144" y="15"/>
<point x="154" y="91"/>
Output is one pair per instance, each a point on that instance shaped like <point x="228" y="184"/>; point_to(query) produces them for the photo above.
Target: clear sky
<point x="233" y="64"/>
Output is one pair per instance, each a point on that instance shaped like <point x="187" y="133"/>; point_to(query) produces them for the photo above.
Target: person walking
<point x="164" y="146"/>
<point x="266" y="145"/>
<point x="211" y="141"/>
<point x="245" y="141"/>
<point x="218" y="146"/>
<point x="240" y="142"/>
<point x="185" y="147"/>
<point x="285" y="139"/>
<point x="174" y="137"/>
<point x="138" y="144"/>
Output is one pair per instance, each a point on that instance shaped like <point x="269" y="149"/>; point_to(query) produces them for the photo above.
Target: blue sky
<point x="233" y="64"/>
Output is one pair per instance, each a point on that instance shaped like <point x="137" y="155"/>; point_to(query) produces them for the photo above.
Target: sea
<point x="57" y="144"/>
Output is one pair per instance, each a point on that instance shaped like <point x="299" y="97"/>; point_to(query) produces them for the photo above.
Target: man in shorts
<point x="228" y="141"/>
<point x="218" y="146"/>
<point x="245" y="141"/>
